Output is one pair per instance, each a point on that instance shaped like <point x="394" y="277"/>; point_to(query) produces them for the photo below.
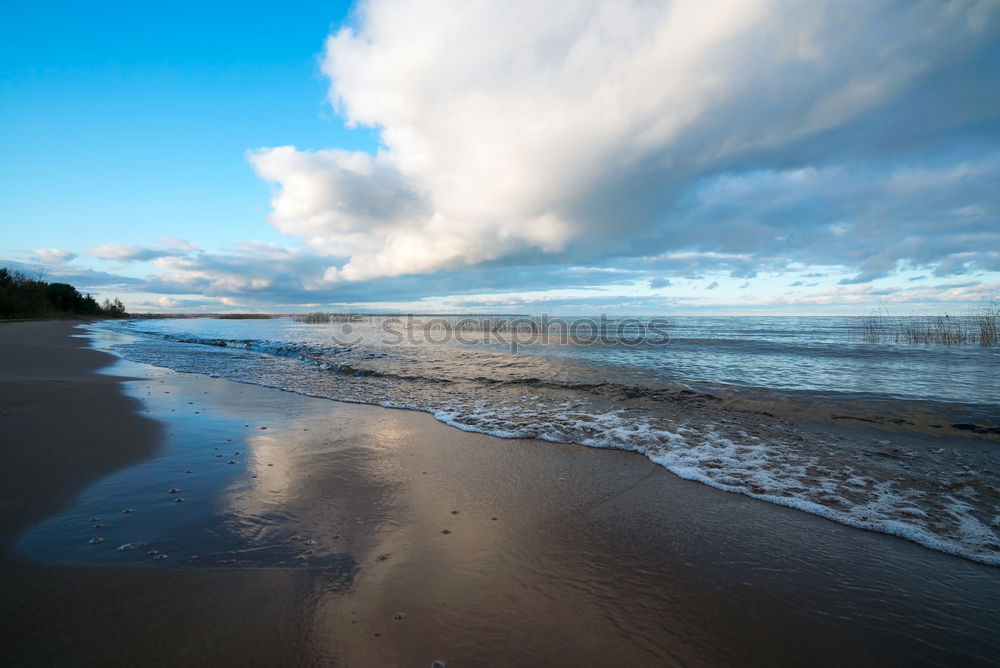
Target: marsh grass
<point x="980" y="326"/>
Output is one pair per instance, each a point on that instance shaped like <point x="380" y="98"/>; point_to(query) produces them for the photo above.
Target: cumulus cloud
<point x="53" y="255"/>
<point x="574" y="130"/>
<point x="167" y="247"/>
<point x="125" y="252"/>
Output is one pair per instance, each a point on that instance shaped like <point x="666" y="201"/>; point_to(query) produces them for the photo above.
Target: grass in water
<point x="981" y="327"/>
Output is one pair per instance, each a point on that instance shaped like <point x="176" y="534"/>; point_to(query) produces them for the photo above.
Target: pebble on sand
<point x="178" y="500"/>
<point x="454" y="512"/>
<point x="231" y="461"/>
<point x="95" y="519"/>
<point x="438" y="664"/>
<point x="309" y="542"/>
<point x="127" y="547"/>
<point x="126" y="511"/>
<point x="173" y="490"/>
<point x="445" y="531"/>
<point x="383" y="557"/>
<point x="399" y="616"/>
<point x="160" y="556"/>
<point x="95" y="541"/>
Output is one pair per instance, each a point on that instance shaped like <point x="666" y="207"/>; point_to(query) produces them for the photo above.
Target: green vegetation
<point x="25" y="297"/>
<point x="981" y="326"/>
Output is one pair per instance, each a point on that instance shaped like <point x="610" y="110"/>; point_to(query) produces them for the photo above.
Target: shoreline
<point x="66" y="424"/>
<point x="597" y="555"/>
<point x="899" y="473"/>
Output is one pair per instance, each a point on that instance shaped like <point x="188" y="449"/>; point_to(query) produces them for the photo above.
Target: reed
<point x="988" y="324"/>
<point x="980" y="326"/>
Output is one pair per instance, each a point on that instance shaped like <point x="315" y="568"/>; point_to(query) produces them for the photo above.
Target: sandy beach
<point x="346" y="534"/>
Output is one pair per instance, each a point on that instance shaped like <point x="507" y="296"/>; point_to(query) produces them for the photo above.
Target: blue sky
<point x="126" y="121"/>
<point x="623" y="157"/>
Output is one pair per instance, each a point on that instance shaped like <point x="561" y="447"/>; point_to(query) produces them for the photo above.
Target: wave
<point x="947" y="502"/>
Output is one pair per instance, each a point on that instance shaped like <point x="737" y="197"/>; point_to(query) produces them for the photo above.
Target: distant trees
<point x="24" y="297"/>
<point x="115" y="308"/>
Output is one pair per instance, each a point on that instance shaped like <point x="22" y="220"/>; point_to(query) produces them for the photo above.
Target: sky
<point x="625" y="157"/>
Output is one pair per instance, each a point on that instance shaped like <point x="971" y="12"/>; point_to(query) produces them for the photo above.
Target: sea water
<point x="799" y="411"/>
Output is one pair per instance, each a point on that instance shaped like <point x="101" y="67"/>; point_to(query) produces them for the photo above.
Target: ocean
<point x="798" y="411"/>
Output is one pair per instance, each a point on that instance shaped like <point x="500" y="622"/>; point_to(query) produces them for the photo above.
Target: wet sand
<point x="594" y="557"/>
<point x="62" y="427"/>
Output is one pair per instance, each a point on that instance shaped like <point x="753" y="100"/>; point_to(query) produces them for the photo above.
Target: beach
<point x="349" y="534"/>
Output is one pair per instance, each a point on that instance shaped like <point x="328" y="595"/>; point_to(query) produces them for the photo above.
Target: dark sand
<point x="595" y="558"/>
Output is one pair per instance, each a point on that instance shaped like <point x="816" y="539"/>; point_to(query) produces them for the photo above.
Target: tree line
<point x="24" y="297"/>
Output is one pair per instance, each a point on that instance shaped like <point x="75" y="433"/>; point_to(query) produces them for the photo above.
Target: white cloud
<point x="168" y="247"/>
<point x="167" y="302"/>
<point x="53" y="255"/>
<point x="546" y="126"/>
<point x="869" y="220"/>
<point x="175" y="245"/>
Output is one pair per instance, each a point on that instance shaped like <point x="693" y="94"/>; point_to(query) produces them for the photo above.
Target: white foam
<point x="764" y="471"/>
<point x="948" y="518"/>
